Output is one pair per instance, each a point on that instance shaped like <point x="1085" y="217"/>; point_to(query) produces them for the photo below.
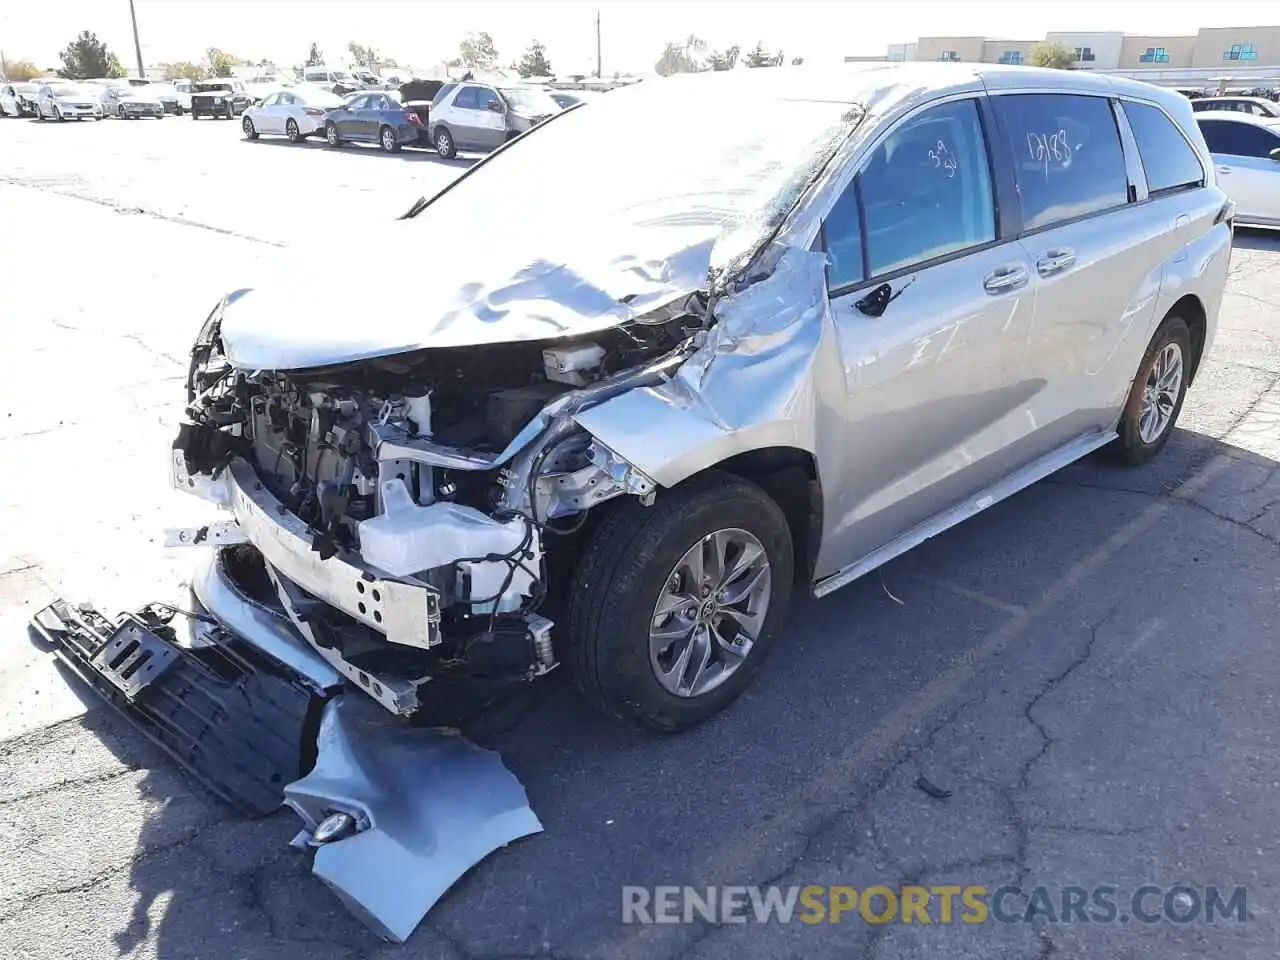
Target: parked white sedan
<point x="66" y="101"/>
<point x="1246" y="158"/>
<point x="296" y="113"/>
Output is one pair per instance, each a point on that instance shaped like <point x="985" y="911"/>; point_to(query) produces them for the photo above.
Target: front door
<point x="932" y="310"/>
<point x="492" y="120"/>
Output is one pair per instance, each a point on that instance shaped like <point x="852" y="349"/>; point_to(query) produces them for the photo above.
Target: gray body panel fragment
<point x="429" y="805"/>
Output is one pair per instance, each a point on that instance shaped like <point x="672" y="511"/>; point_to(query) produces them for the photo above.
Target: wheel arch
<point x="1190" y="309"/>
<point x="789" y="475"/>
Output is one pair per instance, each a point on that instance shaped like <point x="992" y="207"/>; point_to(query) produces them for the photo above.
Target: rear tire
<point x="291" y="131"/>
<point x="1156" y="396"/>
<point x="631" y="562"/>
<point x="444" y="144"/>
<point x="387" y="139"/>
<point x="331" y="135"/>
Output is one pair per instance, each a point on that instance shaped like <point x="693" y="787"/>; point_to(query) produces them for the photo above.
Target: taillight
<point x="413" y="117"/>
<point x="313" y="112"/>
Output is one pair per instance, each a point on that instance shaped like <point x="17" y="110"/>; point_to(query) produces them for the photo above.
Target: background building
<point x="1234" y="57"/>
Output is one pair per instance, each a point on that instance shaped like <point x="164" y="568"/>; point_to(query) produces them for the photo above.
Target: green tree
<point x="681" y="57"/>
<point x="1053" y="55"/>
<point x="315" y="57"/>
<point x="220" y="62"/>
<point x="725" y="59"/>
<point x="758" y="56"/>
<point x="534" y="63"/>
<point x="362" y="55"/>
<point x="477" y="51"/>
<point x="183" y="71"/>
<point x="20" y="70"/>
<point x="86" y="57"/>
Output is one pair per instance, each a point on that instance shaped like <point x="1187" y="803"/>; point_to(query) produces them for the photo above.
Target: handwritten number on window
<point x="1047" y="148"/>
<point x="944" y="159"/>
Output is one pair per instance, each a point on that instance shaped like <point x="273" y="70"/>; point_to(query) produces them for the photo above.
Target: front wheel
<point x="331" y="135"/>
<point x="1155" y="398"/>
<point x="291" y="131"/>
<point x="675" y="606"/>
<point x="249" y="131"/>
<point x="444" y="144"/>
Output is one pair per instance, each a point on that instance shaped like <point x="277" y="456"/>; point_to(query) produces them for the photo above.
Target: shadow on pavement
<point x="1251" y="238"/>
<point x="408" y="153"/>
<point x="620" y="807"/>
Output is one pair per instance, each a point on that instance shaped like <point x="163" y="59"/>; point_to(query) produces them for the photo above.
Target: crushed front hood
<point x="439" y="284"/>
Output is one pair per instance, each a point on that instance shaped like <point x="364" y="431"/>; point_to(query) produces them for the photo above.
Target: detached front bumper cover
<point x="247" y="707"/>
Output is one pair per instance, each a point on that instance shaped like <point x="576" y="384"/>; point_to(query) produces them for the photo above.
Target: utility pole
<point x="598" y="64"/>
<point x="137" y="46"/>
<point x="4" y="66"/>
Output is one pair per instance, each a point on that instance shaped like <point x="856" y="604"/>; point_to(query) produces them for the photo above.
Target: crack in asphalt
<point x="122" y="208"/>
<point x="73" y="784"/>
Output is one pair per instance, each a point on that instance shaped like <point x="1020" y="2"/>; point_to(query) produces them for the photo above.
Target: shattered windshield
<point x="720" y="163"/>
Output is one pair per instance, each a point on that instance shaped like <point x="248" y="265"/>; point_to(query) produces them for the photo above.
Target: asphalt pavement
<point x="1087" y="670"/>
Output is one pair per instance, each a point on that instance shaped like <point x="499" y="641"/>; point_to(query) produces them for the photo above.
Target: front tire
<point x="249" y="132"/>
<point x="1156" y="396"/>
<point x="675" y="606"/>
<point x="444" y="144"/>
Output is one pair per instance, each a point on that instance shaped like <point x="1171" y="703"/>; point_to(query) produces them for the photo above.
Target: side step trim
<point x="941" y="522"/>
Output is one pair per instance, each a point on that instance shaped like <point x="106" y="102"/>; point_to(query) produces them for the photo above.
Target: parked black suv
<point x="223" y="98"/>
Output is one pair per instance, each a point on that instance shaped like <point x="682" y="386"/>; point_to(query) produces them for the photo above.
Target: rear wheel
<point x="249" y="131"/>
<point x="1155" y="398"/>
<point x="331" y="135"/>
<point x="674" y="606"/>
<point x="387" y="137"/>
<point x="443" y="141"/>
<point x="291" y="131"/>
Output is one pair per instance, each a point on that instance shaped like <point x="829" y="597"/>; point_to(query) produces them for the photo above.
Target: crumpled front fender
<point x="757" y="381"/>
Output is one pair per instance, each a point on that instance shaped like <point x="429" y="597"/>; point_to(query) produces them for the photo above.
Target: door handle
<point x="1223" y="170"/>
<point x="1012" y="276"/>
<point x="1055" y="261"/>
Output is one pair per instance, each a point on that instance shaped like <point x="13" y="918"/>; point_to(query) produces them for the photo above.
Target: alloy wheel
<point x="710" y="612"/>
<point x="1160" y="396"/>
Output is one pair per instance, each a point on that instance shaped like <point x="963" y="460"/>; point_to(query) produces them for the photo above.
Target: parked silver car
<point x="822" y="318"/>
<point x="1246" y="158"/>
<point x="861" y="308"/>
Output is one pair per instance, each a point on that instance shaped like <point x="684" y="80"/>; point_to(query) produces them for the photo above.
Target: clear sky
<point x="424" y="32"/>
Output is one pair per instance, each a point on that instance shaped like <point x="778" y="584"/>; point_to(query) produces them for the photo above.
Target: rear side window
<point x="1238" y="139"/>
<point x="1169" y="160"/>
<point x="443" y="92"/>
<point x="1066" y="153"/>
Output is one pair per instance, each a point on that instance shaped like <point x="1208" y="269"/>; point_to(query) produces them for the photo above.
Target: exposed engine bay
<point x="457" y="470"/>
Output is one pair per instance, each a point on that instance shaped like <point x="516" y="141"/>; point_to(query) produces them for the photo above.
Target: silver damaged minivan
<point x="673" y="356"/>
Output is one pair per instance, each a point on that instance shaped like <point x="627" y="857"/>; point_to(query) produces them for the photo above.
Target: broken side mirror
<point x="496" y="106"/>
<point x="1275" y="154"/>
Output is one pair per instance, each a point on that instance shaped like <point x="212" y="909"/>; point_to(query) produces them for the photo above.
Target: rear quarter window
<point x="1167" y="157"/>
<point x="1066" y="154"/>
